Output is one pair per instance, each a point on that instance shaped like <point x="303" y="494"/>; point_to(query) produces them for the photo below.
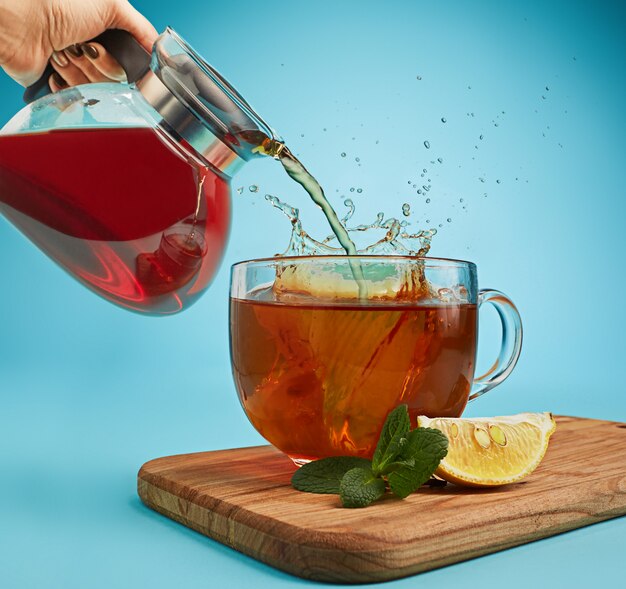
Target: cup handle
<point x="511" y="342"/>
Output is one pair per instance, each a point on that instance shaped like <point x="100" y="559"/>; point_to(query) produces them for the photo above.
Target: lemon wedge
<point x="492" y="451"/>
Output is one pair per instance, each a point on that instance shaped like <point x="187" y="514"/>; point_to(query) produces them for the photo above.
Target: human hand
<point x="33" y="32"/>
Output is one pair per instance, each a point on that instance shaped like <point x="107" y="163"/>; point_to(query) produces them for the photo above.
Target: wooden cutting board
<point x="243" y="499"/>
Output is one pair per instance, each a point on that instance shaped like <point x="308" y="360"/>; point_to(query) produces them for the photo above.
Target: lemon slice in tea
<point x="491" y="451"/>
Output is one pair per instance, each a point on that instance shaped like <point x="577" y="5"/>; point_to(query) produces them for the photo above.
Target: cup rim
<point x="428" y="261"/>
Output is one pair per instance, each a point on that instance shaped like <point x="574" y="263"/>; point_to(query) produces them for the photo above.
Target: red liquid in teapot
<point x="126" y="211"/>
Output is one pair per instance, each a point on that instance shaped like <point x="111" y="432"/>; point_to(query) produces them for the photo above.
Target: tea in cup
<point x="318" y="364"/>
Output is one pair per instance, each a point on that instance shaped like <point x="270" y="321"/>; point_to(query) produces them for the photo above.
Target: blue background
<point x="89" y="392"/>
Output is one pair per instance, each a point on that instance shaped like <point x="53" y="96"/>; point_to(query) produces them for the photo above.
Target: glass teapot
<point x="127" y="187"/>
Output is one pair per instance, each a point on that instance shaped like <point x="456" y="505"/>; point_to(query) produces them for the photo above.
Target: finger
<point x="84" y="65"/>
<point x="70" y="73"/>
<point x="103" y="61"/>
<point x="61" y="59"/>
<point x="127" y="18"/>
<point x="56" y="82"/>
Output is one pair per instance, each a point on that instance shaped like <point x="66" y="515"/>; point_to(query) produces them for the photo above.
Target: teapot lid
<point x="207" y="95"/>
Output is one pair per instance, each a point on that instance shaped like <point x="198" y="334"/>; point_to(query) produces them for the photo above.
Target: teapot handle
<point x="133" y="58"/>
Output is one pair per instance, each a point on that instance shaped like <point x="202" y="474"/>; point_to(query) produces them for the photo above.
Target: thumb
<point x="129" y="19"/>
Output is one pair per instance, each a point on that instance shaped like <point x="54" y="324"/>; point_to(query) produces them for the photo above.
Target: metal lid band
<point x="181" y="119"/>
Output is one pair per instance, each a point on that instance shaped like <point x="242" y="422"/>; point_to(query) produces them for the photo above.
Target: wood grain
<point x="243" y="498"/>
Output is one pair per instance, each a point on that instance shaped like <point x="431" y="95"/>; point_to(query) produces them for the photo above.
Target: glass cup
<point x="323" y="347"/>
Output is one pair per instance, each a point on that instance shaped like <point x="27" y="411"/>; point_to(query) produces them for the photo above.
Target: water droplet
<point x="449" y="219"/>
<point x="253" y="188"/>
<point x="359" y="190"/>
<point x="352" y="189"/>
<point x="443" y="120"/>
<point x="406" y="209"/>
<point x="481" y="137"/>
<point x="343" y="154"/>
<point x="357" y="159"/>
<point x="427" y="144"/>
<point x="440" y="160"/>
<point x="240" y="190"/>
<point x="427" y="200"/>
<point x="419" y="77"/>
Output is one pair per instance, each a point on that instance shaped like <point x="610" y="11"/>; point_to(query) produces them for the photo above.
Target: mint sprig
<point x="404" y="460"/>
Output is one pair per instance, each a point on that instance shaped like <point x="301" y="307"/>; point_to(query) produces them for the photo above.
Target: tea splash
<point x="397" y="240"/>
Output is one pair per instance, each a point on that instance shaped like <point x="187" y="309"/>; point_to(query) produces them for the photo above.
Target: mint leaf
<point x="426" y="446"/>
<point x="360" y="486"/>
<point x="396" y="428"/>
<point x="324" y="476"/>
<point x="396" y="464"/>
